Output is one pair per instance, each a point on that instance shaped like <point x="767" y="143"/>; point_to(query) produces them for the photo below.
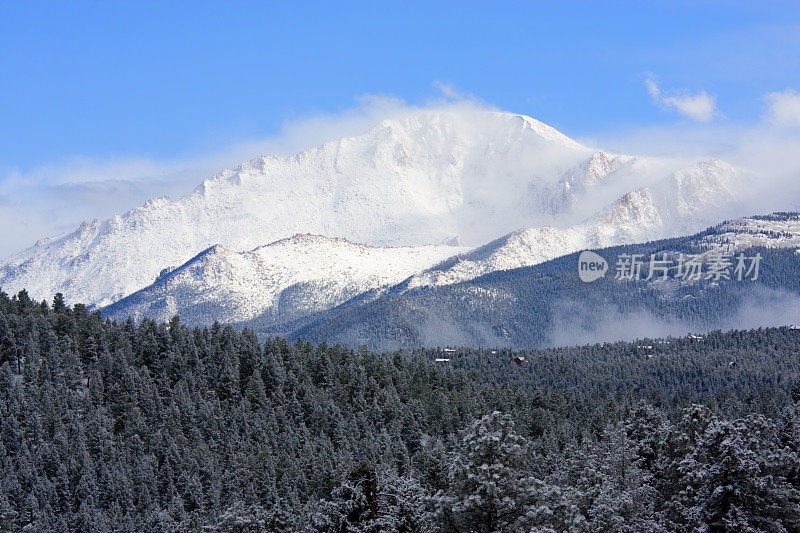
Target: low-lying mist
<point x="576" y="325"/>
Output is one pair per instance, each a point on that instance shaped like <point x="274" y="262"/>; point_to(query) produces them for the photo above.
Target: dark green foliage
<point x="116" y="426"/>
<point x="547" y="305"/>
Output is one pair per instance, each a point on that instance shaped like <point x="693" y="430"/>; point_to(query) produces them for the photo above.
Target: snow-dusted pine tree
<point x="489" y="489"/>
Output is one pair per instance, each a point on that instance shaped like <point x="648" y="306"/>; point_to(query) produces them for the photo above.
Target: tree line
<point x="118" y="426"/>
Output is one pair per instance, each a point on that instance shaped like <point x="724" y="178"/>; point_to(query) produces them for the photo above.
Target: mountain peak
<point x="548" y="132"/>
<point x="456" y="121"/>
<point x="410" y="181"/>
<point x="281" y="281"/>
<point x="312" y="239"/>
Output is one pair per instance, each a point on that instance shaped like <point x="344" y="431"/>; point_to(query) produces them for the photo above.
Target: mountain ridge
<point x="429" y="177"/>
<point x="282" y="280"/>
<point x="546" y="304"/>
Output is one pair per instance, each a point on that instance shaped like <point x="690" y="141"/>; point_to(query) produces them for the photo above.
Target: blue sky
<point x="164" y="81"/>
<point x="139" y="78"/>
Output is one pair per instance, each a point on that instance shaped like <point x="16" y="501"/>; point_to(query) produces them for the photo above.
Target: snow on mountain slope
<point x="604" y="173"/>
<point x="451" y="175"/>
<point x="282" y="281"/>
<point x="687" y="201"/>
<point x="779" y="230"/>
<point x="421" y="179"/>
<point x="518" y="249"/>
<point x="526" y="306"/>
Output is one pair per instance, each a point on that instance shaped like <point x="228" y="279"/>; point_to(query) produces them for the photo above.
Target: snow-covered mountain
<point x="282" y="281"/>
<point x="684" y="202"/>
<point x="778" y="230"/>
<point x="546" y="303"/>
<point x="417" y="180"/>
<point x="453" y="175"/>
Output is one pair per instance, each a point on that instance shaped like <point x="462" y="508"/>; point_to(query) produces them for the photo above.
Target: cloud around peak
<point x="51" y="199"/>
<point x="701" y="106"/>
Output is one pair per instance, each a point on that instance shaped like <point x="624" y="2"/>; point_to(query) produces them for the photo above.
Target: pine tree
<point x="728" y="483"/>
<point x="488" y="482"/>
<point x="353" y="507"/>
<point x="625" y="498"/>
<point x="404" y="506"/>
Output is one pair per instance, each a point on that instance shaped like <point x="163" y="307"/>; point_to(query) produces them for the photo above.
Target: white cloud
<point x="452" y="94"/>
<point x="54" y="198"/>
<point x="447" y="90"/>
<point x="784" y="108"/>
<point x="701" y="106"/>
<point x="762" y="148"/>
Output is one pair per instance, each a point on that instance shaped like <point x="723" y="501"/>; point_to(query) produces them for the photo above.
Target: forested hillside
<point x="548" y="305"/>
<point x="156" y="427"/>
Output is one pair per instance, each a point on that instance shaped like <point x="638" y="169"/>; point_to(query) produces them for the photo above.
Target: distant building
<point x="501" y="331"/>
